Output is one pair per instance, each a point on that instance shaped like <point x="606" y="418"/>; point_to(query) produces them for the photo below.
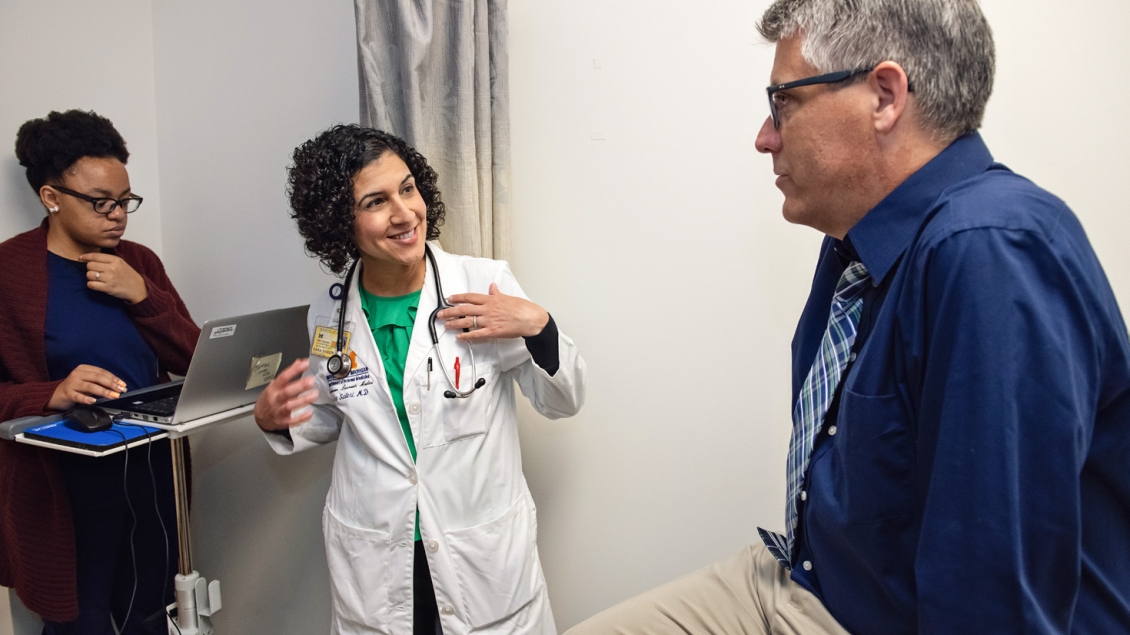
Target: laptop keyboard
<point x="161" y="407"/>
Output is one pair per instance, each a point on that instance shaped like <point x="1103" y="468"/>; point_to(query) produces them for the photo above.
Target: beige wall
<point x="660" y="249"/>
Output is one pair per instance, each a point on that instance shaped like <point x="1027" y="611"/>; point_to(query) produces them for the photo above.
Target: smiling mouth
<point x="405" y="236"/>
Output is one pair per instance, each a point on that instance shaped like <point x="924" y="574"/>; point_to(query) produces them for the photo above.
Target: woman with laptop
<point x="85" y="314"/>
<point x="429" y="525"/>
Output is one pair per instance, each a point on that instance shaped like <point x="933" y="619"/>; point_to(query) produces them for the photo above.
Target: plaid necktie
<point x="816" y="396"/>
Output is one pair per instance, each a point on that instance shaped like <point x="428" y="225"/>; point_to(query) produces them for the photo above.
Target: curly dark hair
<point x="48" y="147"/>
<point x="320" y="187"/>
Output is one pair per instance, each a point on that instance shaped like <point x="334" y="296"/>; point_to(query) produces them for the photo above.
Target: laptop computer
<point x="235" y="359"/>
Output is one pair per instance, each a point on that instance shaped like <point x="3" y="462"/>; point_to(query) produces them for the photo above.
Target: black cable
<point x="160" y="518"/>
<point x="133" y="526"/>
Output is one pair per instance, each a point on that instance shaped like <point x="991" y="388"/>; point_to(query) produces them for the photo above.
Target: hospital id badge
<point x="324" y="342"/>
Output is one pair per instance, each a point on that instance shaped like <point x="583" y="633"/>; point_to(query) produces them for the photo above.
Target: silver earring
<point x="53" y="209"/>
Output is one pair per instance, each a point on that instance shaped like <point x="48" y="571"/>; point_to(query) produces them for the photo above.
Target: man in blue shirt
<point x="960" y="460"/>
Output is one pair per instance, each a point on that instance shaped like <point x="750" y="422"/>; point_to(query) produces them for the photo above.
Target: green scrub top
<point x="391" y="321"/>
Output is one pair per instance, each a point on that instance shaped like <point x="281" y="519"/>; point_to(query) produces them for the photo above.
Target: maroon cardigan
<point x="37" y="545"/>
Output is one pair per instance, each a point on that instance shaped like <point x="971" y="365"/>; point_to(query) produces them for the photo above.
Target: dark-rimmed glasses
<point x="829" y="78"/>
<point x="105" y="205"/>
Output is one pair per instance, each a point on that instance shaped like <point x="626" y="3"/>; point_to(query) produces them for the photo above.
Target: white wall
<point x="661" y="249"/>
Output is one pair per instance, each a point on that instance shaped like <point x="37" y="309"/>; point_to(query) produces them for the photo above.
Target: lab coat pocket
<point x="358" y="561"/>
<point x="463" y="418"/>
<point x="496" y="564"/>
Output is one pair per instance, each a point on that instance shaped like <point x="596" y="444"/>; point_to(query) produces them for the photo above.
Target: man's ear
<point x="891" y="85"/>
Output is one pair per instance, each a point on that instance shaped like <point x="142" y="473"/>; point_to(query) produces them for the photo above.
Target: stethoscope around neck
<point x="340" y="364"/>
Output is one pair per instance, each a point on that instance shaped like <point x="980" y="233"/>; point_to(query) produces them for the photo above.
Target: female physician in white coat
<point x="429" y="525"/>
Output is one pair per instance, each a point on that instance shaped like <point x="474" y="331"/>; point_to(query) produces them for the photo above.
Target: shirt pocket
<point x="470" y="417"/>
<point x="496" y="564"/>
<point x="359" y="569"/>
<point x="874" y="458"/>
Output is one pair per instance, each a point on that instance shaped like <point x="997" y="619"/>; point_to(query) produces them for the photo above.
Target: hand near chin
<point x="112" y="275"/>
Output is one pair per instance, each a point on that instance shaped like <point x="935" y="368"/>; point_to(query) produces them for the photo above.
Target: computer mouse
<point x="90" y="418"/>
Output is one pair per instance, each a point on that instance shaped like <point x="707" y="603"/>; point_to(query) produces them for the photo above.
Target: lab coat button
<point x="807" y="565"/>
<point x="400" y="607"/>
<point x="433" y="546"/>
<point x="413" y="479"/>
<point x="447" y="610"/>
<point x="831" y="431"/>
<point x="414" y="408"/>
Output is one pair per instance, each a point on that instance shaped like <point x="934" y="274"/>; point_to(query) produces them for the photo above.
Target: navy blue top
<point x="973" y="475"/>
<point x="90" y="327"/>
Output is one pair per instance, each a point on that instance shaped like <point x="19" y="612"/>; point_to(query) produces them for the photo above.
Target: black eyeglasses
<point x="830" y="78"/>
<point x="105" y="205"/>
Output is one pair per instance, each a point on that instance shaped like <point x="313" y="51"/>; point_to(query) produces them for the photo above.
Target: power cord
<point x="133" y="526"/>
<point x="160" y="519"/>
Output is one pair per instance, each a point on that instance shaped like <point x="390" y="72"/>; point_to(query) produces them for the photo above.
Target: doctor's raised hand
<point x="283" y="403"/>
<point x="429" y="524"/>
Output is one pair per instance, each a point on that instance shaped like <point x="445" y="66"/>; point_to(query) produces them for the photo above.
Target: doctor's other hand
<point x="84" y="385"/>
<point x="495" y="315"/>
<point x="112" y="275"/>
<point x="284" y="402"/>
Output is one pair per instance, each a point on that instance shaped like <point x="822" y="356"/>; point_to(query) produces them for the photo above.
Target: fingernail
<point x="114" y="395"/>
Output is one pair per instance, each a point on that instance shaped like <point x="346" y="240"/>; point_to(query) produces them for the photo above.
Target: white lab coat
<point x="477" y="519"/>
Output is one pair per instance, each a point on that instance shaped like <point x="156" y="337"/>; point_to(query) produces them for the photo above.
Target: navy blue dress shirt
<point x="973" y="475"/>
<point x="84" y="326"/>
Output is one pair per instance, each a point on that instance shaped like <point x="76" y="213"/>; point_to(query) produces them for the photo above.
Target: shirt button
<point x="851" y="358"/>
<point x="413" y="479"/>
<point x="447" y="610"/>
<point x="414" y="408"/>
<point x="803" y="495"/>
<point x="807" y="565"/>
<point x="831" y="431"/>
<point x="433" y="546"/>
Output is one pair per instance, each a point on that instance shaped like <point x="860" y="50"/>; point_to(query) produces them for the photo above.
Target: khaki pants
<point x="748" y="593"/>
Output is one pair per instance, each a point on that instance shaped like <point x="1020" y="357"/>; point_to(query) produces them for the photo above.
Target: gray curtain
<point x="435" y="72"/>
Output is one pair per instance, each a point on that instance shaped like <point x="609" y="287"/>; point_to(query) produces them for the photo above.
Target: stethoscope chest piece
<point x="339" y="365"/>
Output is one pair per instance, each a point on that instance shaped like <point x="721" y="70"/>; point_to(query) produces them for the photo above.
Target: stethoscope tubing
<point x="441" y="304"/>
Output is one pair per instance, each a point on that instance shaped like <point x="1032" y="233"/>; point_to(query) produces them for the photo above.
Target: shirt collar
<point x="884" y="233"/>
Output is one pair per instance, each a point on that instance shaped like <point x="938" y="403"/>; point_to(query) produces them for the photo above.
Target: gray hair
<point x="945" y="47"/>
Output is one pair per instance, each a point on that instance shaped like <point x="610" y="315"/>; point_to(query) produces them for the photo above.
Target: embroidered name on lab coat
<point x="356" y="384"/>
